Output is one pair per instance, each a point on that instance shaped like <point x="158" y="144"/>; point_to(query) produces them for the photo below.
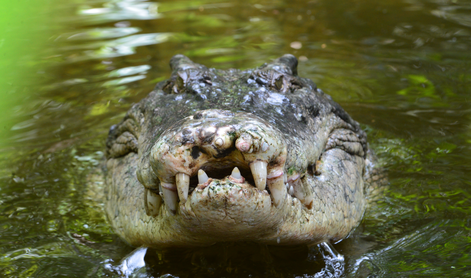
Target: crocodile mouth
<point x="208" y="173"/>
<point x="219" y="150"/>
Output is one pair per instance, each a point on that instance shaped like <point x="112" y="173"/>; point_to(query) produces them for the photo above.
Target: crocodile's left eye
<point x="187" y="81"/>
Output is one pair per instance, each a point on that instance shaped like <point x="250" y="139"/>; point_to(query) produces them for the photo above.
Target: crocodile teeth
<point x="277" y="190"/>
<point x="236" y="176"/>
<point x="183" y="184"/>
<point x="236" y="173"/>
<point x="169" y="193"/>
<point x="291" y="190"/>
<point x="264" y="147"/>
<point x="153" y="203"/>
<point x="259" y="173"/>
<point x="202" y="177"/>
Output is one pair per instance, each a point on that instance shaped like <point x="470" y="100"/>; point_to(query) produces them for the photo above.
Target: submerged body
<point x="227" y="155"/>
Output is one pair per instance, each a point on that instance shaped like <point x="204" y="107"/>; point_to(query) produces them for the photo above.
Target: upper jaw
<point x="214" y="148"/>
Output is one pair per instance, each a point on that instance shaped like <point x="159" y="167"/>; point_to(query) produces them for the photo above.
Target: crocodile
<point x="258" y="155"/>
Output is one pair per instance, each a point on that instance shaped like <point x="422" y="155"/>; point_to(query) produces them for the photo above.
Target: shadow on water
<point x="232" y="260"/>
<point x="400" y="68"/>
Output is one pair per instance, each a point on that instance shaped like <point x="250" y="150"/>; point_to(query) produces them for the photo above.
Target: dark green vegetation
<point x="401" y="68"/>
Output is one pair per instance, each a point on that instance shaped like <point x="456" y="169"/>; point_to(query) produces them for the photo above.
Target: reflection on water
<point x="99" y="12"/>
<point x="401" y="68"/>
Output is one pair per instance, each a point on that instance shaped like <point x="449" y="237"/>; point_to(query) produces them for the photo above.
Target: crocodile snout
<point x="216" y="145"/>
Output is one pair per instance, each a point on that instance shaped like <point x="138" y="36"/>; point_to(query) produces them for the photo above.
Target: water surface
<point x="400" y="68"/>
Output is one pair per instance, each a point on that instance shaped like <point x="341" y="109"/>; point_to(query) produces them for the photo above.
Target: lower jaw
<point x="228" y="214"/>
<point x="221" y="212"/>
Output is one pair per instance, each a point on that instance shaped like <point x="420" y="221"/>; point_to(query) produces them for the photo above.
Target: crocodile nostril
<point x="195" y="152"/>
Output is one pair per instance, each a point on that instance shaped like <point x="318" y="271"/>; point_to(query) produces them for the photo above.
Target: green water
<point x="401" y="68"/>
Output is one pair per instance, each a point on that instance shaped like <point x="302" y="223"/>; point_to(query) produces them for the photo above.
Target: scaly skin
<point x="310" y="161"/>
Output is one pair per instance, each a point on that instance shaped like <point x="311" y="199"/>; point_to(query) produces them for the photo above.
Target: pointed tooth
<point x="236" y="176"/>
<point x="259" y="173"/>
<point x="298" y="192"/>
<point x="291" y="190"/>
<point x="153" y="203"/>
<point x="202" y="177"/>
<point x="264" y="147"/>
<point x="302" y="194"/>
<point x="170" y="196"/>
<point x="277" y="190"/>
<point x="183" y="184"/>
<point x="236" y="173"/>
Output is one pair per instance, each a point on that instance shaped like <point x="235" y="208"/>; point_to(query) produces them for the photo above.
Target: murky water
<point x="401" y="68"/>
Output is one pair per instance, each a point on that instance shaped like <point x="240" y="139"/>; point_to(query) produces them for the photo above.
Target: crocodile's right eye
<point x="174" y="85"/>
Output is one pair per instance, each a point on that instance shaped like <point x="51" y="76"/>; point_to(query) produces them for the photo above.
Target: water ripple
<point x="100" y="33"/>
<point x="116" y="48"/>
<point x="116" y="11"/>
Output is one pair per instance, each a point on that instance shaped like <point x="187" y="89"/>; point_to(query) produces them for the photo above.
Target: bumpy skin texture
<point x="316" y="158"/>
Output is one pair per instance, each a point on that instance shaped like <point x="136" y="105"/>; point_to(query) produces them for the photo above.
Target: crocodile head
<point x="228" y="155"/>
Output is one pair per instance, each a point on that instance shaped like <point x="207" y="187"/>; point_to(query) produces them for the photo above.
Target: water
<point x="401" y="68"/>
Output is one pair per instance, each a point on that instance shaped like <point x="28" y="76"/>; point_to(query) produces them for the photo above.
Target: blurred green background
<point x="22" y="30"/>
